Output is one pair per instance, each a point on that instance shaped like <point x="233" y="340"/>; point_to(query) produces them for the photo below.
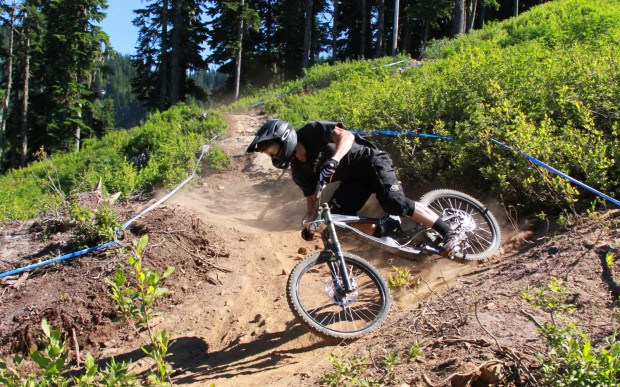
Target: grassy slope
<point x="545" y="83"/>
<point x="159" y="152"/>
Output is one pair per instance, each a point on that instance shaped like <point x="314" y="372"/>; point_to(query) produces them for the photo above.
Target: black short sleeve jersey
<point x="316" y="136"/>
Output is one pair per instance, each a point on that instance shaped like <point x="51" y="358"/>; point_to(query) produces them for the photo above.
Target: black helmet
<point x="280" y="133"/>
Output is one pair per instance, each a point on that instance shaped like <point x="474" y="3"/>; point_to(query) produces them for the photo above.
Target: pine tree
<point x="232" y="22"/>
<point x="74" y="50"/>
<point x="170" y="39"/>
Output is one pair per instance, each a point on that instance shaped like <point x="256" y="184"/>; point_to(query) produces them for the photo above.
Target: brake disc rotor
<point x="337" y="296"/>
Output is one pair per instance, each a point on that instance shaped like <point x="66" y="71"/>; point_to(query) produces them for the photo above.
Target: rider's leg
<point x="349" y="198"/>
<point x="393" y="200"/>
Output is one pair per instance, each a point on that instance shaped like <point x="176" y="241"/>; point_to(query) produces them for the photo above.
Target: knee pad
<point x="396" y="203"/>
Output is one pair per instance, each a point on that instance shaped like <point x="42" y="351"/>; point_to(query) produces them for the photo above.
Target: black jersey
<point x="316" y="138"/>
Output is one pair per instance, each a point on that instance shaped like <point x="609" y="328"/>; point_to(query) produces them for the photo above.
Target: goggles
<point x="273" y="151"/>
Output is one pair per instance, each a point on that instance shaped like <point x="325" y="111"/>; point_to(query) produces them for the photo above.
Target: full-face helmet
<point x="277" y="139"/>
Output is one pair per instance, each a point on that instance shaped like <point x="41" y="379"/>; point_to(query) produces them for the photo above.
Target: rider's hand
<point x="328" y="169"/>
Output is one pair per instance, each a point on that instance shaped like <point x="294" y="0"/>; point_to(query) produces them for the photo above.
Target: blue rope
<point x="205" y="149"/>
<point x="58" y="259"/>
<point x="535" y="161"/>
<point x="559" y="173"/>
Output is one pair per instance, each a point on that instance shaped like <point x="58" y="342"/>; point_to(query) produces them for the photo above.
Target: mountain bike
<point x="340" y="295"/>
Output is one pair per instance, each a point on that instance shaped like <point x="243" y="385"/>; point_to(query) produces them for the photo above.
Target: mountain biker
<point x="326" y="151"/>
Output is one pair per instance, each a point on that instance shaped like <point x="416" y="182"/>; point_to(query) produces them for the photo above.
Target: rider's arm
<point x="311" y="203"/>
<point x="343" y="140"/>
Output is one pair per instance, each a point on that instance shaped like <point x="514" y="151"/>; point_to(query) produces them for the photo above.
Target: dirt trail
<point x="245" y="334"/>
<point x="233" y="238"/>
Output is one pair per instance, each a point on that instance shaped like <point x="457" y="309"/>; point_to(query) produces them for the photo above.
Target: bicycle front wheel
<point x="318" y="299"/>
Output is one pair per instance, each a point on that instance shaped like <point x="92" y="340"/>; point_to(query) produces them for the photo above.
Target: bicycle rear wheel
<point x="481" y="228"/>
<point x="319" y="301"/>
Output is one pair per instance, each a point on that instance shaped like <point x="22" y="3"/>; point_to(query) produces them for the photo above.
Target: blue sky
<point x="117" y="24"/>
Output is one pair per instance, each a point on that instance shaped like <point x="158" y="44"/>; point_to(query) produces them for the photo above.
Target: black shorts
<point x="377" y="176"/>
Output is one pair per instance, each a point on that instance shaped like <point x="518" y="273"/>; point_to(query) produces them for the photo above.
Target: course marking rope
<point x="58" y="259"/>
<point x="533" y="160"/>
<point x="205" y="149"/>
<point x="115" y="242"/>
<point x="557" y="172"/>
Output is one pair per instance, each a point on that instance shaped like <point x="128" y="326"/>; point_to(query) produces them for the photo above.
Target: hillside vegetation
<point x="158" y="153"/>
<point x="545" y="83"/>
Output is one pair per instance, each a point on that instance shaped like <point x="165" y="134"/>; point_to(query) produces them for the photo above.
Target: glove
<point x="328" y="169"/>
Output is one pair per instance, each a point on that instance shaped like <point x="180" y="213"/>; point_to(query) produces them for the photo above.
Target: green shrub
<point x="347" y="371"/>
<point x="544" y="83"/>
<point x="91" y="229"/>
<point x="570" y="359"/>
<point x="161" y="152"/>
<point x="136" y="306"/>
<point x="52" y="365"/>
<point x="136" y="301"/>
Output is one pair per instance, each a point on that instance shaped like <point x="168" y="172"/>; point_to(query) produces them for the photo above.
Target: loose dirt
<point x="234" y="237"/>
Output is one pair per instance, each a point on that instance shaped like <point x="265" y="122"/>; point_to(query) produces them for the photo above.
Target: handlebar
<point x="312" y="219"/>
<point x="319" y="191"/>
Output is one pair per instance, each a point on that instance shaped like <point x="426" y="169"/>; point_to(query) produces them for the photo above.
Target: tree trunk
<point x="24" y="110"/>
<point x="163" y="69"/>
<point x="380" y="28"/>
<point x="81" y="79"/>
<point x="4" y="109"/>
<point x="426" y="32"/>
<point x="458" y="18"/>
<point x="406" y="40"/>
<point x="363" y="31"/>
<point x="335" y="33"/>
<point x="516" y="8"/>
<point x="395" y="37"/>
<point x="472" y="15"/>
<point x="307" y="34"/>
<point x="176" y="78"/>
<point x="239" y="52"/>
<point x="78" y="129"/>
<point x="483" y="11"/>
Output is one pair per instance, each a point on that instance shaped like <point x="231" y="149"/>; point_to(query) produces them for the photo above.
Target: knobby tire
<point x="310" y="287"/>
<point x="485" y="240"/>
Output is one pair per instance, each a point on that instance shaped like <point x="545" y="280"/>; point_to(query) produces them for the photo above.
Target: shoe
<point x="389" y="226"/>
<point x="451" y="244"/>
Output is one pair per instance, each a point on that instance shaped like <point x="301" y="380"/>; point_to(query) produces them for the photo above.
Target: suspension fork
<point x="334" y="245"/>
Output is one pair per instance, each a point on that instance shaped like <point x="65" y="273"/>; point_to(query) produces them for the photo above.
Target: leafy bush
<point x="136" y="306"/>
<point x="90" y="229"/>
<point x="545" y="83"/>
<point x="347" y="372"/>
<point x="570" y="359"/>
<point x="161" y="152"/>
<point x="319" y="77"/>
<point x="52" y="366"/>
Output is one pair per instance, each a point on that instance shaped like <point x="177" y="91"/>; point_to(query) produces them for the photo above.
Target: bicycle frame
<point x="348" y="222"/>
